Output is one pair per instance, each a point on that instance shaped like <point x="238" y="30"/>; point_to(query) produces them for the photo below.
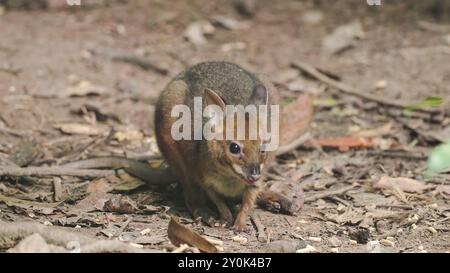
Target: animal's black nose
<point x="255" y="174"/>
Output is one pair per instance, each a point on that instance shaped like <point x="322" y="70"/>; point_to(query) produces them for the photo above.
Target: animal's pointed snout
<point x="255" y="174"/>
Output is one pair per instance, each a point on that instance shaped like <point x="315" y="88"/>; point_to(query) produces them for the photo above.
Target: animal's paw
<point x="241" y="226"/>
<point x="209" y="217"/>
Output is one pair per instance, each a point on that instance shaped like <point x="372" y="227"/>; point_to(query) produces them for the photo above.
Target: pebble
<point x="334" y="241"/>
<point x="48" y="223"/>
<point x="353" y="242"/>
<point x="136" y="245"/>
<point x="432" y="230"/>
<point x="387" y="242"/>
<point x="381" y="84"/>
<point x="240" y="239"/>
<point x="145" y="231"/>
<point x="307" y="249"/>
<point x="334" y="250"/>
<point x="315" y="239"/>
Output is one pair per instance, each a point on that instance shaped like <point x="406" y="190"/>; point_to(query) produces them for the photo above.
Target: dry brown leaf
<point x="100" y="185"/>
<point x="179" y="234"/>
<point x="93" y="202"/>
<point x="80" y="129"/>
<point x="403" y="183"/>
<point x="129" y="183"/>
<point x="120" y="204"/>
<point x="295" y="120"/>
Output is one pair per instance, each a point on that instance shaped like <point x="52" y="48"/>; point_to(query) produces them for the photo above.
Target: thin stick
<point x="397" y="154"/>
<point x="54" y="171"/>
<point x="124" y="226"/>
<point x="57" y="187"/>
<point x="321" y="195"/>
<point x="260" y="228"/>
<point x="11" y="233"/>
<point x="294" y="144"/>
<point x="312" y="71"/>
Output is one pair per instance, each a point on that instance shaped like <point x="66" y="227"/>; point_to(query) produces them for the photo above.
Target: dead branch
<point x="12" y="233"/>
<point x="53" y="171"/>
<point x="346" y="89"/>
<point x="294" y="144"/>
<point x="321" y="195"/>
<point x="260" y="228"/>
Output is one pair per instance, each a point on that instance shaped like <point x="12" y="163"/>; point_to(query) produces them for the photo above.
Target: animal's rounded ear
<point x="260" y="95"/>
<point x="212" y="98"/>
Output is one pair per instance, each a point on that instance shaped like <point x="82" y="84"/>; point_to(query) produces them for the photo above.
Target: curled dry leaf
<point x="342" y="38"/>
<point x="402" y="183"/>
<point x="344" y="144"/>
<point x="120" y="204"/>
<point x="179" y="234"/>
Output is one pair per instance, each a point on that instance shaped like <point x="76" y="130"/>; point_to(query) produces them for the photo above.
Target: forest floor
<point x="65" y="95"/>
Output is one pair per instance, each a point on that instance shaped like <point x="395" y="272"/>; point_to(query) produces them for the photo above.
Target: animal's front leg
<point x="248" y="200"/>
<point x="224" y="211"/>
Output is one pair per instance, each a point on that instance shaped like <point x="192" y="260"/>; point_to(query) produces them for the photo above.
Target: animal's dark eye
<point x="235" y="148"/>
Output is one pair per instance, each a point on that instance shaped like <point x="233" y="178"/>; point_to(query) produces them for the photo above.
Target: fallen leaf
<point x="228" y="22"/>
<point x="129" y="183"/>
<point x="195" y="32"/>
<point x="84" y="88"/>
<point x="132" y="135"/>
<point x="233" y="46"/>
<point x="402" y="183"/>
<point x="312" y="17"/>
<point x="81" y="129"/>
<point x="93" y="202"/>
<point x="376" y="132"/>
<point x="24" y="153"/>
<point x="344" y="144"/>
<point x="120" y="204"/>
<point x="179" y="234"/>
<point x="31" y="244"/>
<point x="443" y="190"/>
<point x="296" y="119"/>
<point x="342" y="38"/>
<point x="99" y="185"/>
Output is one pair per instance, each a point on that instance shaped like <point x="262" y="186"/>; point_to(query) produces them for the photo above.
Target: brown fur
<point x="207" y="171"/>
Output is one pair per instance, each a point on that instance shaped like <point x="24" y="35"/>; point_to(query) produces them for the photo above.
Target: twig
<point x="260" y="228"/>
<point x="294" y="144"/>
<point x="124" y="226"/>
<point x="141" y="63"/>
<point x="397" y="154"/>
<point x="328" y="193"/>
<point x="315" y="73"/>
<point x="17" y="133"/>
<point x="57" y="187"/>
<point x="12" y="233"/>
<point x="54" y="171"/>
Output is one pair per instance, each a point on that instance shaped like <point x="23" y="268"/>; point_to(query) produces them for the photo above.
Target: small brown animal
<point x="215" y="171"/>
